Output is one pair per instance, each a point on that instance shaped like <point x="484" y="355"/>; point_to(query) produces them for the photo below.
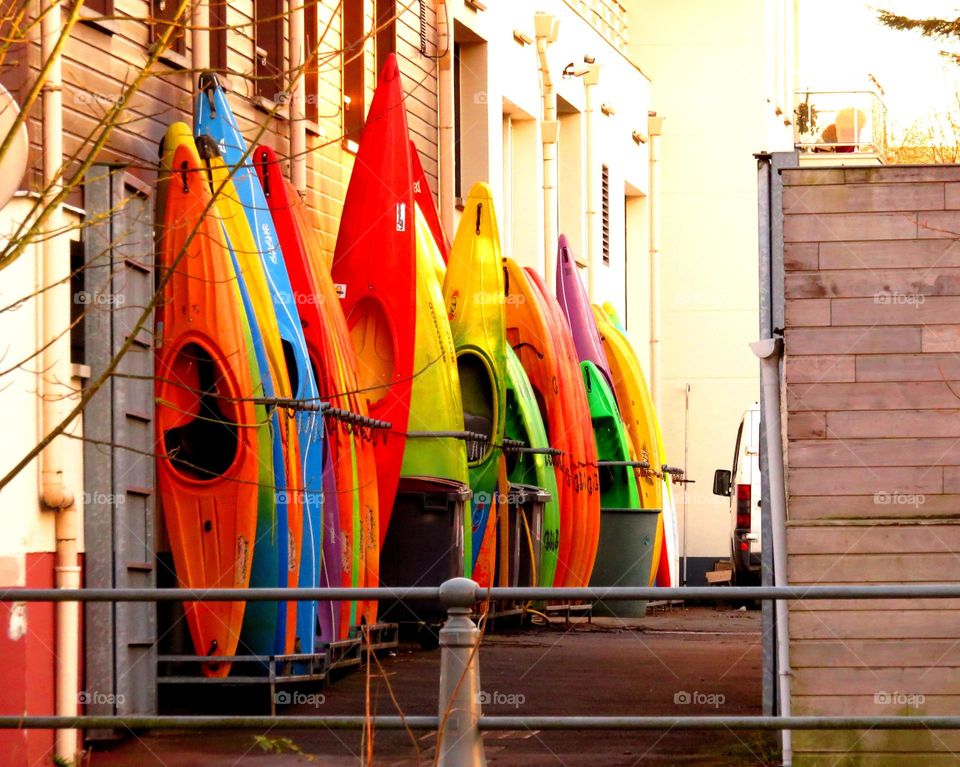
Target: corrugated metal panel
<point x="118" y="428"/>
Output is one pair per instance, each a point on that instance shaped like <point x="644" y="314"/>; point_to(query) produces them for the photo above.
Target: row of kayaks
<point x="295" y="391"/>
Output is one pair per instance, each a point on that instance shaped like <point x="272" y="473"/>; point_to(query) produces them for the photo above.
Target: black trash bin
<point x="424" y="543"/>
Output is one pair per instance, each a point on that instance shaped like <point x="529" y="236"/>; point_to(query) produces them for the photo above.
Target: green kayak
<point x="524" y="423"/>
<point x="618" y="484"/>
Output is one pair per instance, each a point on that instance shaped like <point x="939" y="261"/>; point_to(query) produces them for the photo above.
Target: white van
<point x="741" y="484"/>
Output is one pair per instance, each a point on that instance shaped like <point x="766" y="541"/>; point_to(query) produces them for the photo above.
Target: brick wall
<point x="872" y="392"/>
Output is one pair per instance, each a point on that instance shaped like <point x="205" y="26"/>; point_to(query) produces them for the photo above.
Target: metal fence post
<point x="459" y="741"/>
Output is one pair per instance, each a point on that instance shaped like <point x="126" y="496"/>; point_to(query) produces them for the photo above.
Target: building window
<point x="78" y="285"/>
<point x="311" y="73"/>
<point x="353" y="93"/>
<point x="164" y="15"/>
<point x="605" y="211"/>
<point x="268" y="51"/>
<point x="99" y="7"/>
<point x="386" y="31"/>
<point x="218" y="35"/>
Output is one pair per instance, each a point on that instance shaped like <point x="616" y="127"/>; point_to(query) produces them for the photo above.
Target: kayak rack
<point x="355" y="419"/>
<point x="673" y="471"/>
<point x="282" y="677"/>
<point x="474" y="439"/>
<point x="629" y="464"/>
<point x="291" y="404"/>
<point x="275" y="675"/>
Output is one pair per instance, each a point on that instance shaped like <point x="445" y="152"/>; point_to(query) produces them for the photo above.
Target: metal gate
<point x="118" y="511"/>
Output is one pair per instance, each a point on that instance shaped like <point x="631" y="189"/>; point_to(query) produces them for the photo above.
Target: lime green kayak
<point x="524" y="423"/>
<point x="618" y="484"/>
<point x="435" y="404"/>
<point x="474" y="294"/>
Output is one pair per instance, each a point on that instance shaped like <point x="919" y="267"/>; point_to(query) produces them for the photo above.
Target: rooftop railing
<point x="840" y="122"/>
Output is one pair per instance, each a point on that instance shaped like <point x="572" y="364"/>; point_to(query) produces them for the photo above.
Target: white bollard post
<point x="458" y="740"/>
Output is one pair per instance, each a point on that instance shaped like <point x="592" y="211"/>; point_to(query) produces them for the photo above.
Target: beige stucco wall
<point x="720" y="71"/>
<point x="501" y="82"/>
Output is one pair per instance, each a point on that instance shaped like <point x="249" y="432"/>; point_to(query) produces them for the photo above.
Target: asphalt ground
<point x="695" y="661"/>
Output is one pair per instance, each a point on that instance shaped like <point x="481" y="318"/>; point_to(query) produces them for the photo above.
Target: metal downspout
<point x="55" y="388"/>
<point x="546" y="28"/>
<point x="445" y="115"/>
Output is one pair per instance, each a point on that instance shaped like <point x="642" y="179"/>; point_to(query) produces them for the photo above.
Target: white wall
<point x="24" y="528"/>
<point x="719" y="70"/>
<point x="507" y="73"/>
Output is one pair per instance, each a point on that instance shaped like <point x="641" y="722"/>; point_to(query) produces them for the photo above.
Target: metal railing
<point x="460" y="721"/>
<point x="840" y="121"/>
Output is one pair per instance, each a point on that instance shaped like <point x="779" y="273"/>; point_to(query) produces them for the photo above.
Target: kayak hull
<point x="208" y="432"/>
<point x="473" y="291"/>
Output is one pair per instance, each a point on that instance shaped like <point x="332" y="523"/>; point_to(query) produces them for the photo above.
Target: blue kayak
<point x="215" y="119"/>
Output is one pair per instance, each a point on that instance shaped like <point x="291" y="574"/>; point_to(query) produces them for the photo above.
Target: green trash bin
<point x="624" y="557"/>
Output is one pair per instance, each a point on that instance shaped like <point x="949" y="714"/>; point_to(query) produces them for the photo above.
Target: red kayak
<point x="424" y="199"/>
<point x="374" y="267"/>
<point x="335" y="366"/>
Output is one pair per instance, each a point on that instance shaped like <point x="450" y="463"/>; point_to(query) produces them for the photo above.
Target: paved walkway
<point x="695" y="661"/>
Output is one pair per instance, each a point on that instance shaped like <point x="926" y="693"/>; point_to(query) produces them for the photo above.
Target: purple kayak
<point x="573" y="299"/>
<point x="331" y="573"/>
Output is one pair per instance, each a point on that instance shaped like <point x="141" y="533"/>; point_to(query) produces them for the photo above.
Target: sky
<point x="841" y="42"/>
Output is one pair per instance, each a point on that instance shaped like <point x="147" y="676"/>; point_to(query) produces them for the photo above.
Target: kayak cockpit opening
<point x="206" y="446"/>
<point x="476" y="390"/>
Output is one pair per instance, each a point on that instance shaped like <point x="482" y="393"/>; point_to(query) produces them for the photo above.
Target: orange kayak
<point x="530" y="335"/>
<point x="586" y="472"/>
<point x="208" y="471"/>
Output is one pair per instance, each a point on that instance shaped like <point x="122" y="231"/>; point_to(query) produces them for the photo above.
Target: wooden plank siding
<point x="100" y="59"/>
<point x="872" y="401"/>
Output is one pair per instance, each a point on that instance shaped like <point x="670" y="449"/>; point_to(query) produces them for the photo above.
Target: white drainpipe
<point x="546" y="28"/>
<point x="654" y="129"/>
<point x="769" y="350"/>
<point x="445" y="115"/>
<point x="54" y="386"/>
<point x="200" y="37"/>
<point x="298" y="89"/>
<point x="594" y="233"/>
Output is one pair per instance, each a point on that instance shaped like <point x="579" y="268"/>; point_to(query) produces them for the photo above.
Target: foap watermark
<point x="697" y="698"/>
<point x="97" y="698"/>
<point x="897" y="698"/>
<point x="88" y="298"/>
<point x="915" y="500"/>
<point x="298" y="698"/>
<point x="497" y="698"/>
<point x="299" y="496"/>
<point x="103" y="100"/>
<point x="896" y="298"/>
<point x="103" y="499"/>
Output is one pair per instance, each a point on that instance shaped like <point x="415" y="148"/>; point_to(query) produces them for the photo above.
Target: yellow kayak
<point x="435" y="404"/>
<point x="668" y="574"/>
<point x="474" y="294"/>
<point x="639" y="417"/>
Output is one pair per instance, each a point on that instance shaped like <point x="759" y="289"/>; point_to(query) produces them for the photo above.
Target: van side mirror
<point x="721" y="482"/>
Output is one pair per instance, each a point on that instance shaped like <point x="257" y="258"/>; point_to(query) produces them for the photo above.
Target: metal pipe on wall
<point x="654" y="130"/>
<point x="594" y="233"/>
<point x="547" y="28"/>
<point x="54" y="383"/>
<point x="298" y="125"/>
<point x="445" y="115"/>
<point x="200" y="36"/>
<point x="769" y="350"/>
